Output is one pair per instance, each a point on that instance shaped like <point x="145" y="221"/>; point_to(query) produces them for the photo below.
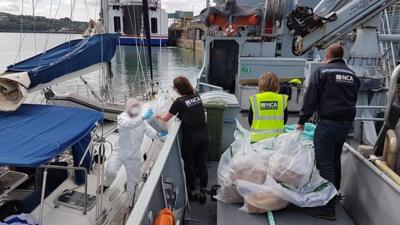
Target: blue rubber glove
<point x="149" y="113"/>
<point x="162" y="133"/>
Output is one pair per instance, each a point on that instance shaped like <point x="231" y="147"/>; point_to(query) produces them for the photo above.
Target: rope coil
<point x="275" y="10"/>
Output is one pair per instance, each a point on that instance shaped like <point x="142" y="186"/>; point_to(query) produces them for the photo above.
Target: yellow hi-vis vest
<point x="268" y="115"/>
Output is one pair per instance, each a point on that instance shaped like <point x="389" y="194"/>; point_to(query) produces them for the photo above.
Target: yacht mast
<point x="104" y="15"/>
<point x="106" y="71"/>
<point x="145" y="8"/>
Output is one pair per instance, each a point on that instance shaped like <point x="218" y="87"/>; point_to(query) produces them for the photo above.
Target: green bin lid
<point x="215" y="105"/>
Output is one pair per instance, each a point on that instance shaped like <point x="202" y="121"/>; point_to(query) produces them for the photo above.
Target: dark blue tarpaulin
<point x="67" y="58"/>
<point x="34" y="134"/>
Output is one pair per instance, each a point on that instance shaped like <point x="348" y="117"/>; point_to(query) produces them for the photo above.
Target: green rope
<point x="271" y="219"/>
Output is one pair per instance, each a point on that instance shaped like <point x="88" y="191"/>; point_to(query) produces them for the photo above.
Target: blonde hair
<point x="268" y="82"/>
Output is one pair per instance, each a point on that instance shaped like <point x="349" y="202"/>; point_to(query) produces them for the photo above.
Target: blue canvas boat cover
<point x="67" y="58"/>
<point x="34" y="134"/>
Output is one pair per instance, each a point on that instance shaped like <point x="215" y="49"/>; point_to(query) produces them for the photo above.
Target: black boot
<point x="323" y="212"/>
<point x="99" y="189"/>
<point x="202" y="198"/>
<point x="193" y="196"/>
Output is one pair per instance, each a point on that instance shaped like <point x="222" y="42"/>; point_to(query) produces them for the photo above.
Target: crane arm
<point x="312" y="30"/>
<point x="325" y="7"/>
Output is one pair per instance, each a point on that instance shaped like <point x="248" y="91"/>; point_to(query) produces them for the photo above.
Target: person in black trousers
<point x="332" y="93"/>
<point x="196" y="138"/>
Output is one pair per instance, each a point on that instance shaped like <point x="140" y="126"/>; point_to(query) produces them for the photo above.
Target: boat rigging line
<point x="140" y="71"/>
<point x="146" y="21"/>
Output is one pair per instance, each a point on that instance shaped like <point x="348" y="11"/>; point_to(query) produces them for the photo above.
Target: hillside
<point x="12" y="23"/>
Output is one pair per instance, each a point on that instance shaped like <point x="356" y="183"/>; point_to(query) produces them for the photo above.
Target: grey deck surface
<point x="205" y="214"/>
<point x="230" y="215"/>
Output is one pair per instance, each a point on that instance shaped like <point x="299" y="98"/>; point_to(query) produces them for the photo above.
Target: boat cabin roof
<point x="34" y="134"/>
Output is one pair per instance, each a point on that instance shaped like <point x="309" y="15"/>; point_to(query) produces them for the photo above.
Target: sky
<point x="84" y="9"/>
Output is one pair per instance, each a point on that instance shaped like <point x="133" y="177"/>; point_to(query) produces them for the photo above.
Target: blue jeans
<point x="329" y="138"/>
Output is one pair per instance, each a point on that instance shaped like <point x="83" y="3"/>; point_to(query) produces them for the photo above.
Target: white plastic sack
<point x="260" y="198"/>
<point x="247" y="166"/>
<point x="315" y="193"/>
<point x="227" y="192"/>
<point x="239" y="162"/>
<point x="242" y="139"/>
<point x="163" y="103"/>
<point x="293" y="161"/>
<point x="269" y="145"/>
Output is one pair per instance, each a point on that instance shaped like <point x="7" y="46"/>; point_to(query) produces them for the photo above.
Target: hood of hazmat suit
<point x="131" y="128"/>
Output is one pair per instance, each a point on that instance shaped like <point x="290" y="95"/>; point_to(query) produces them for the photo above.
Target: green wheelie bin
<point x="215" y="111"/>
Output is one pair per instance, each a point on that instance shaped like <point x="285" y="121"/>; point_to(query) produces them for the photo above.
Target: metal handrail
<point x="370" y="107"/>
<point x="390" y="42"/>
<point x="392" y="90"/>
<point x="390" y="98"/>
<point x="369" y="119"/>
<point x="46" y="167"/>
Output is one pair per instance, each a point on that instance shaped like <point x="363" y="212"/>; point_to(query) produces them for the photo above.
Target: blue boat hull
<point x="140" y="41"/>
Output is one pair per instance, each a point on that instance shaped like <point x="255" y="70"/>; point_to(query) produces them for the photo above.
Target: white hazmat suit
<point x="131" y="128"/>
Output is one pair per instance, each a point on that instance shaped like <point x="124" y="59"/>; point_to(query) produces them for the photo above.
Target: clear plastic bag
<point x="260" y="198"/>
<point x="293" y="161"/>
<point x="242" y="139"/>
<point x="315" y="193"/>
<point x="239" y="162"/>
<point x="162" y="104"/>
<point x="227" y="192"/>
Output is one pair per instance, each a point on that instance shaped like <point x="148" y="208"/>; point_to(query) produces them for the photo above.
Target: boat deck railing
<point x="142" y="211"/>
<point x="42" y="199"/>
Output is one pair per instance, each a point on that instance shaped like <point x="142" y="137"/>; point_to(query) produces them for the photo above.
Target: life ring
<point x="165" y="217"/>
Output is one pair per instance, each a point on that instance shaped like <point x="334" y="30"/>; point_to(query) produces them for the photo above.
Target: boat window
<point x="153" y="25"/>
<point x="117" y="24"/>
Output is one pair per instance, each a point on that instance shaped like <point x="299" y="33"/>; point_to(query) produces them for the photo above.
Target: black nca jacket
<point x="332" y="92"/>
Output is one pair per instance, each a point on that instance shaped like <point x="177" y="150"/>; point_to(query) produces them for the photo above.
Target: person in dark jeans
<point x="195" y="135"/>
<point x="332" y="93"/>
<point x="328" y="136"/>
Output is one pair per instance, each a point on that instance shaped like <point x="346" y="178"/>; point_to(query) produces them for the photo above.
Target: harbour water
<point x="129" y="65"/>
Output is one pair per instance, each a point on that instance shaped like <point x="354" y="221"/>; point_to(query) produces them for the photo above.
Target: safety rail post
<point x="64" y="168"/>
<point x="42" y="196"/>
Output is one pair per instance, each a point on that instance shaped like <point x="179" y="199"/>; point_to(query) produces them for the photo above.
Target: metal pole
<point x="160" y="24"/>
<point x="64" y="168"/>
<point x="390" y="32"/>
<point x="146" y="23"/>
<point x="369" y="119"/>
<point x="89" y="145"/>
<point x="104" y="15"/>
<point x="390" y="97"/>
<point x="370" y="107"/>
<point x="42" y="196"/>
<point x="389" y="37"/>
<point x="85" y="200"/>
